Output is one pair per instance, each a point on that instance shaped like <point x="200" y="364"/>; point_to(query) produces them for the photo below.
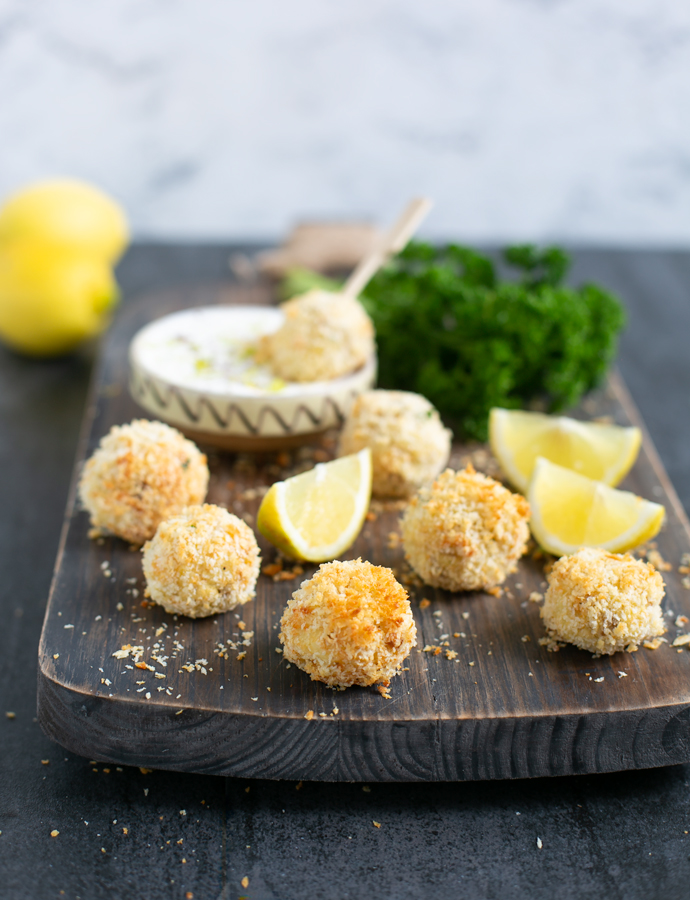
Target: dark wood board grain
<point x="504" y="707"/>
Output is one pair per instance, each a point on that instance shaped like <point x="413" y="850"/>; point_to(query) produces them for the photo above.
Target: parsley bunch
<point x="449" y="329"/>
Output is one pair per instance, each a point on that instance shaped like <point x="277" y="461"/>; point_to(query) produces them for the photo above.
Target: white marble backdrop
<point x="523" y="119"/>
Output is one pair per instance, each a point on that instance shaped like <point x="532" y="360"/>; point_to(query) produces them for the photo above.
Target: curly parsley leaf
<point x="449" y="329"/>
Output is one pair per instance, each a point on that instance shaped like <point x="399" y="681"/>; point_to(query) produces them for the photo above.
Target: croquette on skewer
<point x="324" y="336"/>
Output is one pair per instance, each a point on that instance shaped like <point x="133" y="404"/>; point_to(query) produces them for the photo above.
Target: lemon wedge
<point x="602" y="452"/>
<point x="317" y="515"/>
<point x="570" y="511"/>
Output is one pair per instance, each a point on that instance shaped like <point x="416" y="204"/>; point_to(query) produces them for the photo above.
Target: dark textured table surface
<point x="126" y="834"/>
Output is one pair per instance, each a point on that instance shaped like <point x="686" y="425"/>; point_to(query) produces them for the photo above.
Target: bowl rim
<point x="293" y="391"/>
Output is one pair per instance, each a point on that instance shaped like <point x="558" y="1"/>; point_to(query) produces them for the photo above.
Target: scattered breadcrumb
<point x="54" y="832"/>
<point x="277" y="572"/>
<point x="408" y="576"/>
<point x="657" y="560"/>
<point x="376" y="824"/>
<point x="423" y="604"/>
<point x="245" y="882"/>
<point x="309" y="714"/>
<point x="681" y="640"/>
<point x="653" y="645"/>
<point x="551" y="645"/>
<point x="536" y="597"/>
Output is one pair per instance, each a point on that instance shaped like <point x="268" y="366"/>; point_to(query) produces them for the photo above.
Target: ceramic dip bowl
<point x="195" y="369"/>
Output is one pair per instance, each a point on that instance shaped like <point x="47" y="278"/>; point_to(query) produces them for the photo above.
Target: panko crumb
<point x="203" y="561"/>
<point x="658" y="561"/>
<point x="325" y="335"/>
<point x="603" y="602"/>
<point x="351" y="623"/>
<point x="465" y="532"/>
<point x="140" y="474"/>
<point x="409" y="444"/>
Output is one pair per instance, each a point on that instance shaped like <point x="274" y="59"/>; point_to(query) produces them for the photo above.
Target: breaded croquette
<point x="409" y="444"/>
<point x="201" y="562"/>
<point x="603" y="602"/>
<point x="139" y="474"/>
<point x="324" y="336"/>
<point x="351" y="623"/>
<point x="465" y="532"/>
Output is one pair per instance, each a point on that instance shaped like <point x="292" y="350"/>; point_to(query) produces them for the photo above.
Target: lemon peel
<point x="51" y="300"/>
<point x="68" y="213"/>
<point x="58" y="242"/>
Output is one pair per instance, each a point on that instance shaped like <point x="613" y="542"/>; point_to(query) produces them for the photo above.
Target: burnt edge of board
<point x="335" y="750"/>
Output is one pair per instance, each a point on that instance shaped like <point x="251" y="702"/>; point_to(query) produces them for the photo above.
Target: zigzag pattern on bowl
<point x="145" y="389"/>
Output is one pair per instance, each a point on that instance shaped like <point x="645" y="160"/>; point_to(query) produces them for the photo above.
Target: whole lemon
<point x="68" y="213"/>
<point x="52" y="298"/>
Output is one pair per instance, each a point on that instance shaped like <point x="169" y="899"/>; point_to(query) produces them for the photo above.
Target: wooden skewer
<point x="393" y="242"/>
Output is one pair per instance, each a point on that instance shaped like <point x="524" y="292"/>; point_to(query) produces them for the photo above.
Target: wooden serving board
<point x="503" y="707"/>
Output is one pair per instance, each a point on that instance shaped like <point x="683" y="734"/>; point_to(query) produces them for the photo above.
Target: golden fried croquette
<point x="324" y="336"/>
<point x="139" y="474"/>
<point x="201" y="561"/>
<point x="465" y="532"/>
<point x="351" y="623"/>
<point x="603" y="602"/>
<point x="409" y="445"/>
